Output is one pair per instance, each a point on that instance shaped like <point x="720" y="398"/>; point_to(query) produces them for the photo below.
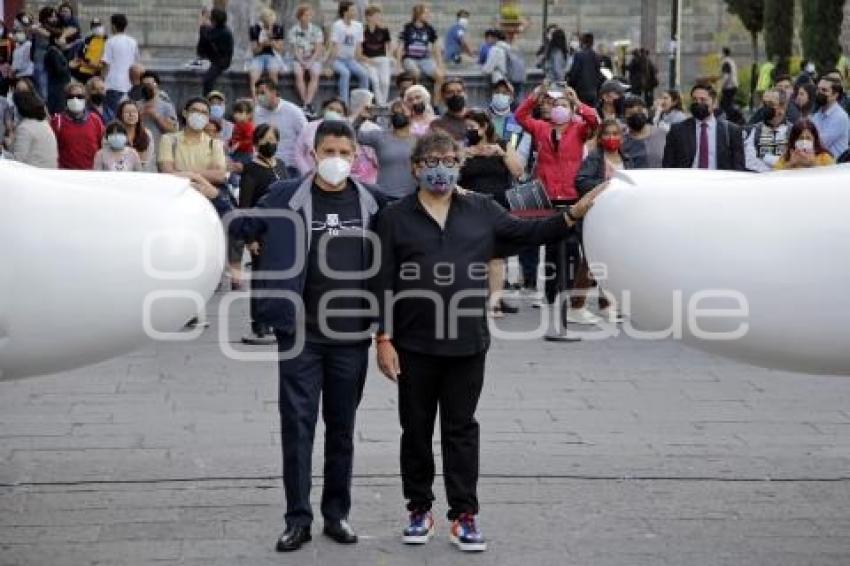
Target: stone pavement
<point x="616" y="452"/>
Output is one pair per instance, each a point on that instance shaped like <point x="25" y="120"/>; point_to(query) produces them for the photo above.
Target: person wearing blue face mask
<point x="218" y="109"/>
<point x="116" y="154"/>
<point x="432" y="337"/>
<point x="504" y="122"/>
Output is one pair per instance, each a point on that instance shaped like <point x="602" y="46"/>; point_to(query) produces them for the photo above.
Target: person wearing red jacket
<point x="559" y="141"/>
<point x="79" y="132"/>
<point x="560" y="151"/>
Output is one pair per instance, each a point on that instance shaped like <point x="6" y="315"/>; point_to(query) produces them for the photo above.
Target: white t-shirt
<point x="346" y="38"/>
<point x="120" y="53"/>
<point x="290" y="121"/>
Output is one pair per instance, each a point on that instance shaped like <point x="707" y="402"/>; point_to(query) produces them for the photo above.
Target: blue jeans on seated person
<point x="345" y="68"/>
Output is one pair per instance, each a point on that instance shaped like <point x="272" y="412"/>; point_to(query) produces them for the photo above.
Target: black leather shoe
<point x="293" y="538"/>
<point x="341" y="532"/>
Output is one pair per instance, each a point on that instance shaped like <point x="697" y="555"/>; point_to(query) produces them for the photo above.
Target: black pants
<point x="336" y="373"/>
<point x="727" y="99"/>
<point x="454" y="385"/>
<point x="256" y="289"/>
<point x="211" y="76"/>
<point x="529" y="259"/>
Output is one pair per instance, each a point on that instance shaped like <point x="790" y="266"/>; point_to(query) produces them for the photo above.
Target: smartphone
<point x="556" y="89"/>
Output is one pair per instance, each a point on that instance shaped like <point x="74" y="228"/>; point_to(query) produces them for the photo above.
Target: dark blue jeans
<point x="336" y="374"/>
<point x="111" y="101"/>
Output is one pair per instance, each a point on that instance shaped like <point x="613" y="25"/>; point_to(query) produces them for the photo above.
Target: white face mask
<point x="20" y="37"/>
<point x="76" y="105"/>
<point x="334" y="170"/>
<point x="217" y="111"/>
<point x="100" y="31"/>
<point x="197" y="121"/>
<point x="463" y="22"/>
<point x="333" y="115"/>
<point x="810" y="68"/>
<point x="807" y="146"/>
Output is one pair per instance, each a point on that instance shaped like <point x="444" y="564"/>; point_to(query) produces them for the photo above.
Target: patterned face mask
<point x="440" y="179"/>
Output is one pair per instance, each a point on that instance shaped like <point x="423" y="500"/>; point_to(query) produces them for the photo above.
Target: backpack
<point x="514" y="66"/>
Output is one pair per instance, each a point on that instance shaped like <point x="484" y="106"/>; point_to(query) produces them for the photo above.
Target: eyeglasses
<point x="435" y="161"/>
<point x="77" y="96"/>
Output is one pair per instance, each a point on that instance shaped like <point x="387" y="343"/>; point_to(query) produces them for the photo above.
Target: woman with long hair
<point x="139" y="137"/>
<point x="804" y="148"/>
<point x="668" y="110"/>
<point x="556" y="56"/>
<point x="257" y="176"/>
<point x="804" y="99"/>
<point x="32" y="141"/>
<point x="597" y="168"/>
<point x="490" y="168"/>
<point x="417" y="101"/>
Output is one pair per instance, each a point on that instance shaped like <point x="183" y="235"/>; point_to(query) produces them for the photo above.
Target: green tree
<point x="822" y="21"/>
<point x="779" y="31"/>
<point x="751" y="14"/>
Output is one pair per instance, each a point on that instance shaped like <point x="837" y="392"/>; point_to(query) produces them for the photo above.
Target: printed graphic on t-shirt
<point x="332" y="225"/>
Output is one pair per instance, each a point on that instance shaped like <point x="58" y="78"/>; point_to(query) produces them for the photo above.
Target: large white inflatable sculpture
<point x="94" y="264"/>
<point x="752" y="267"/>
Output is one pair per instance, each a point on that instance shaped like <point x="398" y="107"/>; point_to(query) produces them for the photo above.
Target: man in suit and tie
<point x="704" y="141"/>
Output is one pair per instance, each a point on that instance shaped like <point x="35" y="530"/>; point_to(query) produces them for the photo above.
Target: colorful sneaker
<point x="421" y="528"/>
<point x="465" y="534"/>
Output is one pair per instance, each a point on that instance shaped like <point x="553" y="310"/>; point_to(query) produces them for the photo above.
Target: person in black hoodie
<point x="215" y="44"/>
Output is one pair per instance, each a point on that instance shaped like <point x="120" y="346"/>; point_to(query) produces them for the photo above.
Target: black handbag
<point x="528" y="196"/>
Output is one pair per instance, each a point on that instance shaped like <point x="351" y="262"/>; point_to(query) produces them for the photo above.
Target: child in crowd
<point x="116" y="154"/>
<point x="241" y="143"/>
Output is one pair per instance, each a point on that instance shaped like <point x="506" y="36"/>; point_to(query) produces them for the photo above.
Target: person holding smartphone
<point x="804" y="148"/>
<point x="560" y="150"/>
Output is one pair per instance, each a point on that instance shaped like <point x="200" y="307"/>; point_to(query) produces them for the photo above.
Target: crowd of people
<point x="424" y="169"/>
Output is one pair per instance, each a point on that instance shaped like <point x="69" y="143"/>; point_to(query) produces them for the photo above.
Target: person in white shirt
<point x="121" y="53"/>
<point x="347" y="49"/>
<point x="22" y="65"/>
<point x="285" y="116"/>
<point x="307" y="40"/>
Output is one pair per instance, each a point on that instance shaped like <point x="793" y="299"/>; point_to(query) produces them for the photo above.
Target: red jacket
<point x="242" y="140"/>
<point x="77" y="141"/>
<point x="557" y="168"/>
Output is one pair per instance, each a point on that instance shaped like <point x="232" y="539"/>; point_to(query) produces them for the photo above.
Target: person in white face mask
<point x="324" y="353"/>
<point x="116" y="154"/>
<point x="78" y="132"/>
<point x="192" y="151"/>
<point x="804" y="148"/>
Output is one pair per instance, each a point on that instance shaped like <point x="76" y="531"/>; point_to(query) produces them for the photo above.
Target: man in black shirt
<point x="433" y="339"/>
<point x="454" y="120"/>
<point x="316" y="254"/>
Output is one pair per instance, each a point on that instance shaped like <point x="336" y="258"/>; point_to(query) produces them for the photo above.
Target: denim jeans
<point x="112" y="101"/>
<point x="345" y="68"/>
<point x="336" y="373"/>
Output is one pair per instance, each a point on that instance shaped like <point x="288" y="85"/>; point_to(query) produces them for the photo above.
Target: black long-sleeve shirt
<point x="215" y="43"/>
<point x="432" y="282"/>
